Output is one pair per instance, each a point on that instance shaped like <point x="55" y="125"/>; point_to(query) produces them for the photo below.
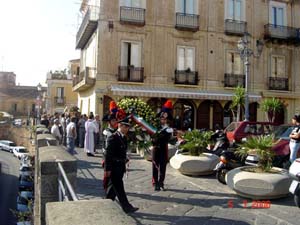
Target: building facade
<point x="20" y="101"/>
<point x="60" y="96"/>
<point x="186" y="51"/>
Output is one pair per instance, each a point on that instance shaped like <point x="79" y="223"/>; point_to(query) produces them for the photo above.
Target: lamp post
<point x="245" y="53"/>
<point x="38" y="100"/>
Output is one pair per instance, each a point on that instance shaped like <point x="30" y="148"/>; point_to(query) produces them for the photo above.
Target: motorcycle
<point x="228" y="161"/>
<point x="221" y="143"/>
<point x="295" y="185"/>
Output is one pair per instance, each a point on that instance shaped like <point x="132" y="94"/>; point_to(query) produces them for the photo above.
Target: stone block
<point x="43" y="140"/>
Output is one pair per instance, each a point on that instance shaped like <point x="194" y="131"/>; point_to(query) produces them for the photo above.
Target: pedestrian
<point x="81" y="124"/>
<point x="115" y="166"/>
<point x="45" y="121"/>
<point x="160" y="148"/>
<point x="71" y="135"/>
<point x="55" y="131"/>
<point x="295" y="138"/>
<point x="96" y="134"/>
<point x="89" y="141"/>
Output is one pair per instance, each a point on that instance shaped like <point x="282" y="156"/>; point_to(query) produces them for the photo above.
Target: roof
<point x="21" y="91"/>
<point x="164" y="92"/>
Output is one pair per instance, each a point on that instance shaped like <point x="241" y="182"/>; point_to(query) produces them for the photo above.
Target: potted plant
<point x="271" y="106"/>
<point x="192" y="160"/>
<point x="262" y="181"/>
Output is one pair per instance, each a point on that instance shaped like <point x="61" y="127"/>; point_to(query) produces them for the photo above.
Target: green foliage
<point x="262" y="147"/>
<point x="238" y="100"/>
<point x="271" y="106"/>
<point x="196" y="141"/>
<point x="140" y="108"/>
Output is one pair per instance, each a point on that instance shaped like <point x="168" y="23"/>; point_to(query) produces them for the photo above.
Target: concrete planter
<point x="259" y="185"/>
<point x="148" y="154"/>
<point x="194" y="165"/>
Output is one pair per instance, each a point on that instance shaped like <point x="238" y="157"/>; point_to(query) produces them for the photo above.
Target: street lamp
<point x="245" y="53"/>
<point x="38" y="99"/>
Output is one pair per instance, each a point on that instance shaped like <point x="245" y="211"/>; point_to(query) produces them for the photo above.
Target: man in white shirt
<point x="71" y="135"/>
<point x="55" y="130"/>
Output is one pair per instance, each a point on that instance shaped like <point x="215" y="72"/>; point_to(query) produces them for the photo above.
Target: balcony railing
<point x="131" y="15"/>
<point x="60" y="101"/>
<point x="85" y="80"/>
<point x="273" y="31"/>
<point x="235" y="27"/>
<point x="187" y="22"/>
<point x="186" y="77"/>
<point x="234" y="80"/>
<point x="88" y="26"/>
<point x="278" y="83"/>
<point x="131" y="74"/>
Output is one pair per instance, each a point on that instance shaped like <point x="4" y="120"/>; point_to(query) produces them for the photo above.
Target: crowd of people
<point x="75" y="130"/>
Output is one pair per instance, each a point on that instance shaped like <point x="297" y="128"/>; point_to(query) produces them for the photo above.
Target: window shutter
<point x="238" y="10"/>
<point x="237" y="66"/>
<point x="179" y="6"/>
<point x="136" y="3"/>
<point x="143" y="4"/>
<point x="124" y="54"/>
<point x="273" y="66"/>
<point x="180" y="58"/>
<point x="229" y="64"/>
<point x="189" y="6"/>
<point x="281" y="67"/>
<point x="135" y="55"/>
<point x="230" y="11"/>
<point x="190" y="59"/>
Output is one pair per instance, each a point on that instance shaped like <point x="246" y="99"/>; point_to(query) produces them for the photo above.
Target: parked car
<point x="24" y="201"/>
<point x="7" y="145"/>
<point x="25" y="183"/>
<point x="236" y="131"/>
<point x="17" y="122"/>
<point x="26" y="170"/>
<point x="20" y="152"/>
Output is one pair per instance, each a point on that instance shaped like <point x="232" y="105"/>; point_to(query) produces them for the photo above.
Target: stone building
<point x="19" y="101"/>
<point x="186" y="51"/>
<point x="60" y="96"/>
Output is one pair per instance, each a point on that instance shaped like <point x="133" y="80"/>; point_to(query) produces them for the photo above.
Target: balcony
<point x="131" y="15"/>
<point x="186" y="77"/>
<point x="59" y="101"/>
<point x="234" y="80"/>
<point x="87" y="28"/>
<point x="278" y="83"/>
<point x="235" y="27"/>
<point x="85" y="80"/>
<point x="131" y="74"/>
<point x="187" y="22"/>
<point x="283" y="33"/>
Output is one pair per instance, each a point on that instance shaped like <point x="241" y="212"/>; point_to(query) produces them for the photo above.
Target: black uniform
<point x="160" y="156"/>
<point x="115" y="161"/>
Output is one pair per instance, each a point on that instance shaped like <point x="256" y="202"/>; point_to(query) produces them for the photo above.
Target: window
<point x="278" y="66"/>
<point x="133" y="3"/>
<point x="277" y="13"/>
<point x="60" y="92"/>
<point x="234" y="63"/>
<point x="185" y="58"/>
<point x="131" y="54"/>
<point x="187" y="6"/>
<point x="235" y="10"/>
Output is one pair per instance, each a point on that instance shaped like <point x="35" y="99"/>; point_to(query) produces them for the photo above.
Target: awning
<point x="185" y="93"/>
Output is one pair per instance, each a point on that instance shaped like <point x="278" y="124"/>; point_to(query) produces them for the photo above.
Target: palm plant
<point x="260" y="146"/>
<point x="196" y="141"/>
<point x="271" y="106"/>
<point x="238" y="100"/>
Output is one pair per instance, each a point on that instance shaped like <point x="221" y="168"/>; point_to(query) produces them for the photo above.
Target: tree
<point x="238" y="101"/>
<point x="271" y="106"/>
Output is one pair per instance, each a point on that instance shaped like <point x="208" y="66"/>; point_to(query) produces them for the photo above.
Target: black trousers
<point x="159" y="165"/>
<point x="116" y="187"/>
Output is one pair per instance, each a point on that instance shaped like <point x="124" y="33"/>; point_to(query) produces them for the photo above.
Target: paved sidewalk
<point x="188" y="200"/>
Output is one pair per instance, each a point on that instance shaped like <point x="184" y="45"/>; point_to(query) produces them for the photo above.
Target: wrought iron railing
<point x="186" y="21"/>
<point x="235" y="27"/>
<point x="234" y="80"/>
<point x="280" y="32"/>
<point x="60" y="100"/>
<point x="131" y="74"/>
<point x="65" y="189"/>
<point x="132" y="15"/>
<point x="186" y="77"/>
<point x="278" y="83"/>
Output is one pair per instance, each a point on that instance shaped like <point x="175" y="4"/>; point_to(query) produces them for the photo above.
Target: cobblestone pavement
<point x="188" y="200"/>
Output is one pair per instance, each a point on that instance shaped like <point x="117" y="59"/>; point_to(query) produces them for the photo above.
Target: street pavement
<point x="187" y="201"/>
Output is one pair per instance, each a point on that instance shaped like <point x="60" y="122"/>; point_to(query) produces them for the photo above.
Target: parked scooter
<point x="228" y="161"/>
<point x="221" y="143"/>
<point x="295" y="185"/>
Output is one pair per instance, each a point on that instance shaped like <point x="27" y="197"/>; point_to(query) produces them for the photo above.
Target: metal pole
<point x="247" y="65"/>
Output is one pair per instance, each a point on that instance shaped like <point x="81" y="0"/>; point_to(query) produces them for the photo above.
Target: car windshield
<point x="22" y="150"/>
<point x="12" y="144"/>
<point x="283" y="131"/>
<point x="231" y="127"/>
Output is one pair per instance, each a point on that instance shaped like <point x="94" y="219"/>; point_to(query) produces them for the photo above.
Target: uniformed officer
<point x="115" y="166"/>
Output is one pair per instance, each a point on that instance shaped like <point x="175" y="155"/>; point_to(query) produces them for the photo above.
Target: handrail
<point x="63" y="179"/>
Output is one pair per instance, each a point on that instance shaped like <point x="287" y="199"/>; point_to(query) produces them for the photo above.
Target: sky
<point x="37" y="36"/>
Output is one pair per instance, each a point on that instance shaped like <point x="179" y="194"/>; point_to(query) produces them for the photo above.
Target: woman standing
<point x="295" y="138"/>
